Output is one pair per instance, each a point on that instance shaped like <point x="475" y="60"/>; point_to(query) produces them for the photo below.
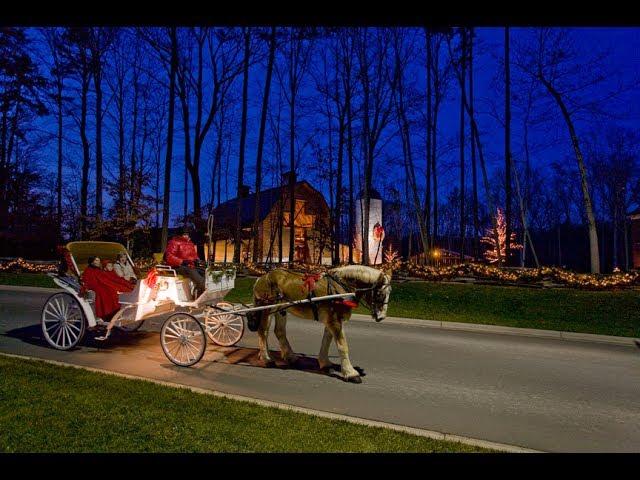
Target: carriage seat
<point x="163" y="269"/>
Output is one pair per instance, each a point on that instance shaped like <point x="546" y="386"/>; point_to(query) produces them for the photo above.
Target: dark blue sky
<point x="551" y="143"/>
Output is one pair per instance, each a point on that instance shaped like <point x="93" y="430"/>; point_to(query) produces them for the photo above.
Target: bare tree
<point x="263" y="120"/>
<point x="507" y="143"/>
<point x="298" y="53"/>
<point x="403" y="51"/>
<point x="476" y="137"/>
<point x="377" y="98"/>
<point x="58" y="72"/>
<point x="439" y="70"/>
<point x="165" y="43"/>
<point x="75" y="51"/>
<point x="551" y="58"/>
<point x="100" y="39"/>
<point x="223" y="48"/>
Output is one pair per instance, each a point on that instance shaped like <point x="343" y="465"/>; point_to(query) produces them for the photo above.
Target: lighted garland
<point x="532" y="276"/>
<point x="541" y="276"/>
<point x="20" y="265"/>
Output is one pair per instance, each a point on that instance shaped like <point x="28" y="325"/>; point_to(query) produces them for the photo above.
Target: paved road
<point x="543" y="393"/>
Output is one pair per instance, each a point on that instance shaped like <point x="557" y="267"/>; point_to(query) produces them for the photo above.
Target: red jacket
<point x="180" y="249"/>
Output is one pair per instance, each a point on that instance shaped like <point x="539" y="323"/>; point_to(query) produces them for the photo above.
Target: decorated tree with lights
<point x="491" y="254"/>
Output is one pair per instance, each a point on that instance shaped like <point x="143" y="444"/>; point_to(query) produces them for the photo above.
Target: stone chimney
<point x="244" y="191"/>
<point x="284" y="179"/>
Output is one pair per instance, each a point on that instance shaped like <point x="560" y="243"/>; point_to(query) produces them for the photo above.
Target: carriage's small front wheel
<point x="62" y="321"/>
<point x="224" y="329"/>
<point x="182" y="339"/>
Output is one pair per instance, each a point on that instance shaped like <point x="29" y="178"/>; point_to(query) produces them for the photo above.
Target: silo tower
<point x="375" y="223"/>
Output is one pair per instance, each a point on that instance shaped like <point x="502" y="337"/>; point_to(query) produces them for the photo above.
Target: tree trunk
<point x="463" y="100"/>
<point x="167" y="166"/>
<point x="428" y="166"/>
<point x="243" y="137"/>
<point x="476" y="221"/>
<point x="263" y="121"/>
<point x="507" y="147"/>
<point x="86" y="158"/>
<point x="593" y="233"/>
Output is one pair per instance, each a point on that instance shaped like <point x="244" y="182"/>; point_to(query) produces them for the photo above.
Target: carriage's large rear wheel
<point x="62" y="321"/>
<point x="183" y="340"/>
<point x="223" y="329"/>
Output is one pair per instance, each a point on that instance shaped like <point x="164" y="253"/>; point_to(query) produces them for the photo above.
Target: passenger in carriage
<point x="106" y="285"/>
<point x="181" y="254"/>
<point x="124" y="269"/>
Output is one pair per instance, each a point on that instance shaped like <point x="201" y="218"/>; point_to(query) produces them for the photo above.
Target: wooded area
<point x="123" y="133"/>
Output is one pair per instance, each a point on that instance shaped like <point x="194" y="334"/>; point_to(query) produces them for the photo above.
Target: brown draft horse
<point x="281" y="286"/>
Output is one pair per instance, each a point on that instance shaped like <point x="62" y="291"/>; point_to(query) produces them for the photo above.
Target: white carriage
<point x="67" y="315"/>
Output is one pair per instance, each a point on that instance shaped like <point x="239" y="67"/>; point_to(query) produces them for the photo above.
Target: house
<point x="311" y="232"/>
<point x="635" y="238"/>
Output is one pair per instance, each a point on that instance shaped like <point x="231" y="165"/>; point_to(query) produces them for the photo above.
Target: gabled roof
<point x="268" y="199"/>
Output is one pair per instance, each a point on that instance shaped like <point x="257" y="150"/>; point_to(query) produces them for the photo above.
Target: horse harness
<point x="309" y="284"/>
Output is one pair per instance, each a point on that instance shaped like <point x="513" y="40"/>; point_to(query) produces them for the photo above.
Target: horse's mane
<point x="360" y="273"/>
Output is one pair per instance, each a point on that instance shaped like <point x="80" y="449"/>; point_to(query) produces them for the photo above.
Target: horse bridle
<point x="369" y="305"/>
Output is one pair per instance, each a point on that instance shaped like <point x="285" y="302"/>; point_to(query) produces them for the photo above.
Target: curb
<point x="318" y="413"/>
<point x="528" y="332"/>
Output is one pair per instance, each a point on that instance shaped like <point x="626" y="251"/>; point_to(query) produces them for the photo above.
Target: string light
<point x="21" y="265"/>
<point x="542" y="276"/>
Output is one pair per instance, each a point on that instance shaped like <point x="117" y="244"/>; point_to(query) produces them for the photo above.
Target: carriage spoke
<point x="66" y="336"/>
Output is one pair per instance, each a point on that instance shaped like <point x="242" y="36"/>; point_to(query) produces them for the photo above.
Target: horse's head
<point x="369" y="284"/>
<point x="380" y="297"/>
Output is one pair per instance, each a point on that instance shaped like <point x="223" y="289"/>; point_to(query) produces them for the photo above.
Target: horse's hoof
<point x="354" y="379"/>
<point x="269" y="364"/>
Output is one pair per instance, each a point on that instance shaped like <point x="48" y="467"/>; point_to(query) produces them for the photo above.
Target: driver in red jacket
<point x="181" y="254"/>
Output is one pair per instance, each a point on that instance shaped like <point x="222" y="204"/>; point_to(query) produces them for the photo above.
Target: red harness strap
<point x="267" y="300"/>
<point x="346" y="303"/>
<point x="309" y="281"/>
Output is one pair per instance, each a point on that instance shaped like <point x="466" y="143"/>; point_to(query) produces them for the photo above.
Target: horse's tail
<point x="263" y="294"/>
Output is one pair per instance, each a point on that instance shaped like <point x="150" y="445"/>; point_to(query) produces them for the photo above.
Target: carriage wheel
<point x="62" y="321"/>
<point x="182" y="339"/>
<point x="224" y="330"/>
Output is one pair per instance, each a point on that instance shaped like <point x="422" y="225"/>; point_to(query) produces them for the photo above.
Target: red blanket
<point x="107" y="285"/>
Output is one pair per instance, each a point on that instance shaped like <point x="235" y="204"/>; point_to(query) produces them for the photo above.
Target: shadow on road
<point x="32" y="335"/>
<point x="250" y="357"/>
<point x="148" y="340"/>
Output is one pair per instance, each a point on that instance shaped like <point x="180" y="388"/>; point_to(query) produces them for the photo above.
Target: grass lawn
<point x="27" y="279"/>
<point x="53" y="409"/>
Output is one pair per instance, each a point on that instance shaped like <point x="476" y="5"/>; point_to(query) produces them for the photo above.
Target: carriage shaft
<point x="343" y="296"/>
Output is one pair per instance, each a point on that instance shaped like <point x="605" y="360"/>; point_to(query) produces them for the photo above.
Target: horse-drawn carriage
<point x="67" y="315"/>
<point x="327" y="298"/>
